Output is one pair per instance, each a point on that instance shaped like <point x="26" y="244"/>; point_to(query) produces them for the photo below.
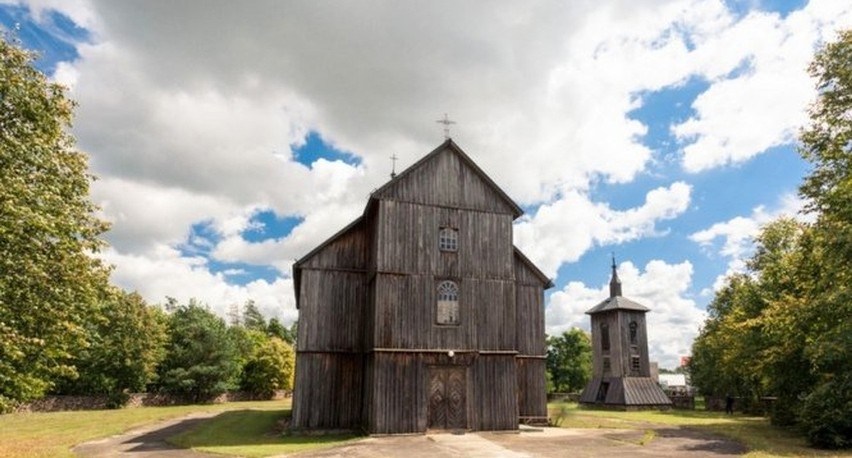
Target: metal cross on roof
<point x="393" y="158"/>
<point x="446" y="122"/>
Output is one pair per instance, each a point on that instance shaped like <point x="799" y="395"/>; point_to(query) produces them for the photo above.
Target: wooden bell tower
<point x="621" y="369"/>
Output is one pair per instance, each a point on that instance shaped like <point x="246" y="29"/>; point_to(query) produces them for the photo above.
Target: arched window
<point x="448" y="303"/>
<point x="448" y="239"/>
<point x="604" y="337"/>
<point x="633" y="327"/>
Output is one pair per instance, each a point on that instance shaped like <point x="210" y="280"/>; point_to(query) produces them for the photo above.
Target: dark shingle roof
<point x="617" y="303"/>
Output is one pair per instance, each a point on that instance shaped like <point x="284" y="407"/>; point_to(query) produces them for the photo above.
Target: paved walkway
<point x="541" y="442"/>
<point x="654" y="441"/>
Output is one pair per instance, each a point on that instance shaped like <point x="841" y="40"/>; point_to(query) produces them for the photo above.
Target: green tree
<point x="569" y="360"/>
<point x="792" y="311"/>
<point x="252" y="318"/>
<point x="276" y="329"/>
<point x="49" y="280"/>
<point x="270" y="368"/>
<point x="827" y="300"/>
<point x="201" y="359"/>
<point x="126" y="344"/>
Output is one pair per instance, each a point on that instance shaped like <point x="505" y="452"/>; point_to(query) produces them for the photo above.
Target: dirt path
<point x="148" y="441"/>
<point x="653" y="441"/>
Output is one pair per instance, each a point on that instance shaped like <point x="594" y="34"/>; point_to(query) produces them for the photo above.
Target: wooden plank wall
<point x="447" y="181"/>
<point x="615" y="349"/>
<point x="407" y="242"/>
<point x="530" y="320"/>
<point x="532" y="392"/>
<point x="495" y="393"/>
<point x="349" y="251"/>
<point x="620" y="351"/>
<point x="493" y="303"/>
<point x="332" y="311"/>
<point x="330" y="394"/>
<point x="398" y="402"/>
<point x="641" y="341"/>
<point x="405" y="314"/>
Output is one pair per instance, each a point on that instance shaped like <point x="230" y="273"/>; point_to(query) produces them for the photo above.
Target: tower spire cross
<point x="446" y="122"/>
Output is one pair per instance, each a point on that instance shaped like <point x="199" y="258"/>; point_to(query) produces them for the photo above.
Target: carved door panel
<point x="447" y="398"/>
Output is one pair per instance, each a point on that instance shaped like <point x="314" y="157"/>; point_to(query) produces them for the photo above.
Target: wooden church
<point x="621" y="369"/>
<point x="421" y="314"/>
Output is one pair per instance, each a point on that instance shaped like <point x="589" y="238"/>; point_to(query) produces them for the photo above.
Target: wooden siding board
<point x="348" y="249"/>
<point x="526" y="273"/>
<point x="530" y="337"/>
<point x="407" y="242"/>
<point x="397" y="393"/>
<point x="446" y="177"/>
<point x="331" y="318"/>
<point x="493" y="303"/>
<point x="327" y="392"/>
<point x="496" y="388"/>
<point x="532" y="390"/>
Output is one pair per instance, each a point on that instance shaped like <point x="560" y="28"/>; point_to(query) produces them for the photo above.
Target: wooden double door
<point x="447" y="397"/>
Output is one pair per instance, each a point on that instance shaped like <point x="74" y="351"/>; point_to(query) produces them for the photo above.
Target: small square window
<point x="634" y="365"/>
<point x="448" y="239"/>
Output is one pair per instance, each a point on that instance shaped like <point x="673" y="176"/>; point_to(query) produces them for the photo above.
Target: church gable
<point x="448" y="177"/>
<point x="347" y="250"/>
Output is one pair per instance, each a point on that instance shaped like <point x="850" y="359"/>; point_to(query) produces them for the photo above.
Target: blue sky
<point x="660" y="131"/>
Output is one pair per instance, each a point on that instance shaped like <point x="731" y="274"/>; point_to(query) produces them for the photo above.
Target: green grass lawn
<point x="249" y="429"/>
<point x="53" y="434"/>
<point x="251" y="433"/>
<point x="761" y="438"/>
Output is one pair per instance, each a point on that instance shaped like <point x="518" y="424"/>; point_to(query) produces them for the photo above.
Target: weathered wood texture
<point x="333" y="308"/>
<point x="621" y="349"/>
<point x="371" y="353"/>
<point x="407" y="242"/>
<point x="397" y="393"/>
<point x="348" y="250"/>
<point x="446" y="180"/>
<point x="532" y="392"/>
<point x="530" y="336"/>
<point x="405" y="314"/>
<point x="496" y="393"/>
<point x="330" y="391"/>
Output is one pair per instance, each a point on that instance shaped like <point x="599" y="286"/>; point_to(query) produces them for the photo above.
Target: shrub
<point x="826" y="417"/>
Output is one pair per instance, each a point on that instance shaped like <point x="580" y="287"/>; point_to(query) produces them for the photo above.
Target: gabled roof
<point x="449" y="144"/>
<point x="327" y="242"/>
<point x="617" y="303"/>
<point x="547" y="282"/>
<point x="297" y="266"/>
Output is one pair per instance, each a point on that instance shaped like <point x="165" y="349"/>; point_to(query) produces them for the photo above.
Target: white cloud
<point x="674" y="319"/>
<point x="764" y="102"/>
<point x="562" y="231"/>
<point x="190" y="112"/>
<point x="164" y="272"/>
<point x="737" y="235"/>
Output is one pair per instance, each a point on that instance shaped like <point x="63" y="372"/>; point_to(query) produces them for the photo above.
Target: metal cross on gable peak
<point x="393" y="158"/>
<point x="446" y="122"/>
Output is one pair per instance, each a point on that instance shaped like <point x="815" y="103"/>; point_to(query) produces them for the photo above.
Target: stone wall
<point x="62" y="403"/>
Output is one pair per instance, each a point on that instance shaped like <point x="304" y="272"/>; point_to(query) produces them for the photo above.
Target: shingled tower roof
<point x="616" y="301"/>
